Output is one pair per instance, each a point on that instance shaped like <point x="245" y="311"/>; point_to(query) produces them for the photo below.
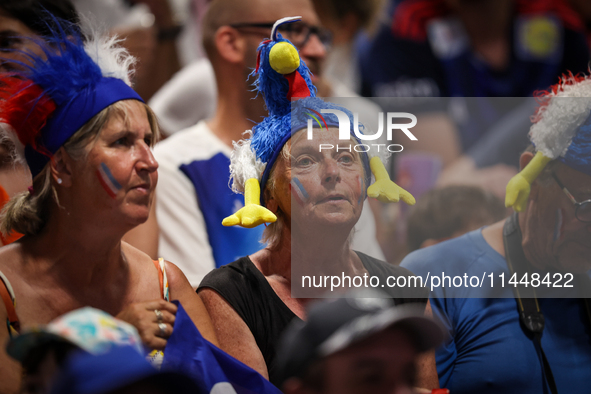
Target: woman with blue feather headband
<point x="312" y="198"/>
<point x="86" y="137"/>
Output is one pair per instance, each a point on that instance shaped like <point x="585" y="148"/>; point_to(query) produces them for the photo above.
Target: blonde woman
<point x="87" y="140"/>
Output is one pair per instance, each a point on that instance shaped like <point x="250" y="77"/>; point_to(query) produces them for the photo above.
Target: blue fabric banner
<point x="214" y="370"/>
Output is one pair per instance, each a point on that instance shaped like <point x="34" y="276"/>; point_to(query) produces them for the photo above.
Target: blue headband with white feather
<point x="55" y="93"/>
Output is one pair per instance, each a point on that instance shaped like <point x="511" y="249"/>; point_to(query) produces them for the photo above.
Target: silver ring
<point x="162" y="328"/>
<point x="159" y="315"/>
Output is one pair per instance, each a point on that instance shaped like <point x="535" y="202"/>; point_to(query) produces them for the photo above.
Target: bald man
<point x="175" y="104"/>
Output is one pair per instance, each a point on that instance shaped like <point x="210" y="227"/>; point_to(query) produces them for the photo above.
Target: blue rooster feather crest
<point x="278" y="88"/>
<point x="281" y="77"/>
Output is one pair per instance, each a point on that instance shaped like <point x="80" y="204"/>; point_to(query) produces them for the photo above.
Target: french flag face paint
<point x="107" y="180"/>
<point x="298" y="191"/>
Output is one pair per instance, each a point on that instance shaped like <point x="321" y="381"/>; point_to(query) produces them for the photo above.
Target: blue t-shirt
<point x="217" y="201"/>
<point x="487" y="350"/>
<point x="193" y="197"/>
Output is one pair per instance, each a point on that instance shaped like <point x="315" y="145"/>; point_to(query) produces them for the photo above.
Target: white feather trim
<point x="560" y="119"/>
<point x="113" y="59"/>
<point x="244" y="164"/>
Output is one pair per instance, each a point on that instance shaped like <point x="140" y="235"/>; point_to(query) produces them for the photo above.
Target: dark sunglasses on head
<point x="298" y="33"/>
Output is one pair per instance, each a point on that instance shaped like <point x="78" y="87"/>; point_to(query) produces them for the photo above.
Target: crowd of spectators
<point x="136" y="174"/>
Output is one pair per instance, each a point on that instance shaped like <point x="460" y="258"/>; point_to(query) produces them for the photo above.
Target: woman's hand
<point x="152" y="319"/>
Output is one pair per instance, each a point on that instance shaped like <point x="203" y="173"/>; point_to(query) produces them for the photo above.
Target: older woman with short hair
<point x="87" y="138"/>
<point x="311" y="195"/>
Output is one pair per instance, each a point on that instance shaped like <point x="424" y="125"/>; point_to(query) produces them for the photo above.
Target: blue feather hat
<point x="282" y="77"/>
<point x="279" y="87"/>
<point x="55" y="93"/>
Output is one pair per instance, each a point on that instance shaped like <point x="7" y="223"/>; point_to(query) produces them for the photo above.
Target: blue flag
<point x="188" y="352"/>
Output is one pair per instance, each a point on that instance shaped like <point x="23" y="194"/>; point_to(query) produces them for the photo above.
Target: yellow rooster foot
<point x="519" y="186"/>
<point x="517" y="193"/>
<point x="250" y="216"/>
<point x="387" y="191"/>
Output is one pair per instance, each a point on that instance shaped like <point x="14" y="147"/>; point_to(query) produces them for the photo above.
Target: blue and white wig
<point x="562" y="128"/>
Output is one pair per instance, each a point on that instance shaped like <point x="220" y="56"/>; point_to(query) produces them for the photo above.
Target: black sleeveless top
<point x="247" y="290"/>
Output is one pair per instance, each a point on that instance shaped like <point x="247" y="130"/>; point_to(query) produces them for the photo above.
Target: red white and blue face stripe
<point x="298" y="191"/>
<point x="107" y="180"/>
<point x="361" y="190"/>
